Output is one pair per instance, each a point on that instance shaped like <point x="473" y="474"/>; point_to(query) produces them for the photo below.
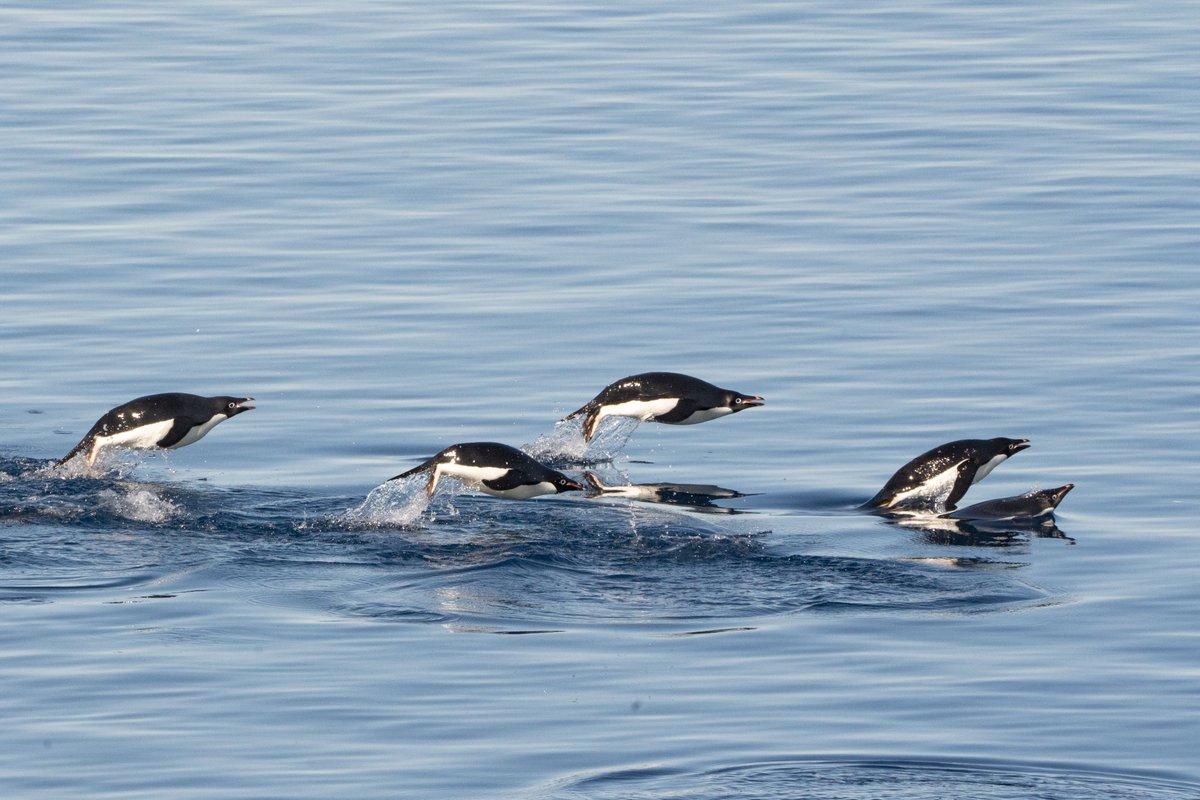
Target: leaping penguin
<point x="165" y="421"/>
<point x="495" y="469"/>
<point x="661" y="397"/>
<point x="1029" y="506"/>
<point x="937" y="480"/>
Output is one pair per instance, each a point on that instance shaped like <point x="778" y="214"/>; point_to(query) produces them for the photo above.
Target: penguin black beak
<point x="568" y="485"/>
<point x="239" y="405"/>
<point x="1018" y="446"/>
<point x="1061" y="492"/>
<point x="751" y="401"/>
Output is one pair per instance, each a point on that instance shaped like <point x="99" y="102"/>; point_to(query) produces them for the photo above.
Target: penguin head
<point x="1055" y="496"/>
<point x="564" y="484"/>
<point x="231" y="406"/>
<point x="1010" y="447"/>
<point x="740" y="402"/>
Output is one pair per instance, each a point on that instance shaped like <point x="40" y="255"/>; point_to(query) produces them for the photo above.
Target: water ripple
<point x="474" y="563"/>
<point x="865" y="779"/>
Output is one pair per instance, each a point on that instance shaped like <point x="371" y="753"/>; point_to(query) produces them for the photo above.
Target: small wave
<point x="865" y="779"/>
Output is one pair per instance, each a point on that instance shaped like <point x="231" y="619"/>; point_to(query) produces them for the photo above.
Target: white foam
<point x="139" y="505"/>
<point x="564" y="443"/>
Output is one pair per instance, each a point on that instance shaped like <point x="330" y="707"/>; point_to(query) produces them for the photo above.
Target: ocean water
<point x="405" y="225"/>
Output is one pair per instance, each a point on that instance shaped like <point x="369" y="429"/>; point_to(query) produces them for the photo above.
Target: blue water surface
<point x="404" y="225"/>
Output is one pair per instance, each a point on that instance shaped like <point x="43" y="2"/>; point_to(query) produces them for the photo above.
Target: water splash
<point x="138" y="504"/>
<point x="113" y="463"/>
<point x="393" y="504"/>
<point x="565" y="445"/>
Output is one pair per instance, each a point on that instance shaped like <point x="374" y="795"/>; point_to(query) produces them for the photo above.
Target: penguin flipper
<point x="179" y="428"/>
<point x="506" y="482"/>
<point x="961" y="484"/>
<point x="683" y="409"/>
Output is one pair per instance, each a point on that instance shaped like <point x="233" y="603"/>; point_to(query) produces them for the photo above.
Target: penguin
<point x="661" y="397"/>
<point x="495" y="469"/>
<point x="1029" y="506"/>
<point x="939" y="478"/>
<point x="168" y="421"/>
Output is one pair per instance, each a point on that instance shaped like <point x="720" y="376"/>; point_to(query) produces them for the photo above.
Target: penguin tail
<point x="429" y="467"/>
<point x="591" y="418"/>
<point x="576" y="413"/>
<point x="409" y="473"/>
<point x="880" y="500"/>
<point x="86" y="445"/>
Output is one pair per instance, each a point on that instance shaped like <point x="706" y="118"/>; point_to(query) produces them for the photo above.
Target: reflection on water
<point x="695" y="496"/>
<point x="1002" y="521"/>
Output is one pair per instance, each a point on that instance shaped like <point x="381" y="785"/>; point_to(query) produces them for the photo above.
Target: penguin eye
<point x="737" y="401"/>
<point x="233" y="405"/>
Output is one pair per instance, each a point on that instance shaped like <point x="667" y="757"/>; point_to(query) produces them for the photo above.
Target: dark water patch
<point x="472" y="562"/>
<point x="868" y="779"/>
<point x="584" y="563"/>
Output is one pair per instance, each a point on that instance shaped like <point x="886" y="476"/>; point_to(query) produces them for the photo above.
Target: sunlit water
<point x="404" y="226"/>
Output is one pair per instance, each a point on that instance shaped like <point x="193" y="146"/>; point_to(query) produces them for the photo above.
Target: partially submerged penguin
<point x="936" y="480"/>
<point x="696" y="495"/>
<point x="666" y="397"/>
<point x="495" y="469"/>
<point x="1032" y="505"/>
<point x="166" y="421"/>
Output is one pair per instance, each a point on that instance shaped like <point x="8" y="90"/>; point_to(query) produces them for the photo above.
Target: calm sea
<point x="405" y="225"/>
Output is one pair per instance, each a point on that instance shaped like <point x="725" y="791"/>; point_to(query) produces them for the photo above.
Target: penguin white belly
<point x="469" y="475"/>
<point x="639" y="409"/>
<point x="936" y="489"/>
<point x="705" y="414"/>
<point x="141" y="438"/>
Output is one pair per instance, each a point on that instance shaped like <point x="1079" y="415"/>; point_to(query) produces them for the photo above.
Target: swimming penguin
<point x="1029" y="506"/>
<point x="661" y="397"/>
<point x="168" y="421"/>
<point x="495" y="469"/>
<point x="936" y="480"/>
